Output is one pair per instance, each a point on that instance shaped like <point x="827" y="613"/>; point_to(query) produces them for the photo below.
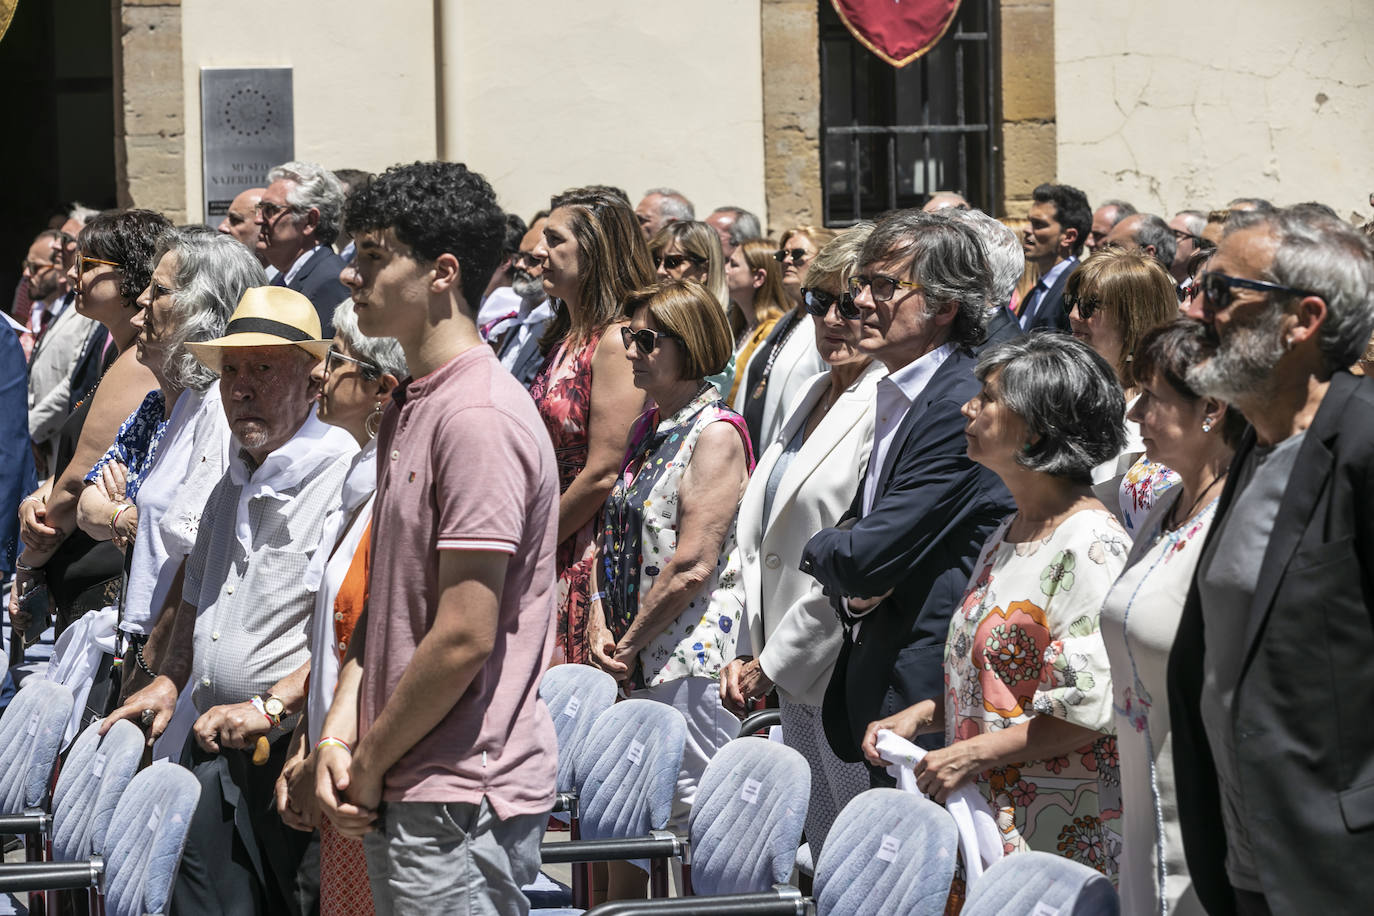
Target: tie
<point x="1032" y="305"/>
<point x="279" y="280"/>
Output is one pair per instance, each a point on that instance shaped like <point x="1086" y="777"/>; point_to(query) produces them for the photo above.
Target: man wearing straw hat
<point x="239" y="644"/>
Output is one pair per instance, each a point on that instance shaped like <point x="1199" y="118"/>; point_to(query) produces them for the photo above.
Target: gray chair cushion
<point x="1030" y="882"/>
<point x="73" y="800"/>
<point x="888" y="852"/>
<point x="627" y="769"/>
<point x="146" y="845"/>
<point x="31" y="731"/>
<point x="123" y="750"/>
<point x="575" y="695"/>
<point x="747" y="818"/>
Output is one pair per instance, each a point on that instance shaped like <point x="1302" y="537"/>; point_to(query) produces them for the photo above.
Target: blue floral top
<point x="135" y="445"/>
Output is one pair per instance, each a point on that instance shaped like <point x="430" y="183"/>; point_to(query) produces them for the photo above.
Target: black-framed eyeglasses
<point x="271" y="211"/>
<point x="1217" y="286"/>
<point x="37" y="267"/>
<point x="82" y="261"/>
<point x="1086" y="305"/>
<point x="645" y="338"/>
<point x="796" y="254"/>
<point x="525" y="260"/>
<point x="818" y="303"/>
<point x="333" y="358"/>
<point x="883" y="287"/>
<point x="1183" y="236"/>
<point x="674" y="261"/>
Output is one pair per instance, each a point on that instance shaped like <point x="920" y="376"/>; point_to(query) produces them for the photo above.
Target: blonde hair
<point x="835" y="262"/>
<point x="757" y="254"/>
<point x="701" y="242"/>
<point x="1134" y="290"/>
<point x="686" y="310"/>
<point x="817" y="235"/>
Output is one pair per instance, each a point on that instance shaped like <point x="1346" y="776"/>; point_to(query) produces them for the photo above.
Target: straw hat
<point x="266" y="316"/>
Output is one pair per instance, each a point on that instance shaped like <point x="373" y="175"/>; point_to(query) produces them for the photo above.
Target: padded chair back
<point x="888" y="852"/>
<point x="1033" y="882"/>
<point x="575" y="695"/>
<point x="747" y="817"/>
<point x="122" y="748"/>
<point x="145" y="848"/>
<point x="31" y="730"/>
<point x="627" y="770"/>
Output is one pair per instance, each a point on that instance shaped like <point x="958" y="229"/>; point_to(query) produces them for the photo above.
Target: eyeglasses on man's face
<point x="1217" y="289"/>
<point x="818" y="303"/>
<point x="645" y="338"/>
<point x="270" y="211"/>
<point x="884" y="287"/>
<point x="35" y="268"/>
<point x="334" y="360"/>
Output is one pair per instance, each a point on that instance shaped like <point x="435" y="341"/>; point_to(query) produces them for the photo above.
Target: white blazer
<point x="797" y="362"/>
<point x="792" y="628"/>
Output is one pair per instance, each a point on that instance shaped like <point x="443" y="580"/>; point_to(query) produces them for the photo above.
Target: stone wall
<point x="791" y="112"/>
<point x="150" y="128"/>
<point x="1028" y="153"/>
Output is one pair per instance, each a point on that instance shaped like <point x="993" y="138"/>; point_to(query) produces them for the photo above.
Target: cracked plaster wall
<point x="1178" y="104"/>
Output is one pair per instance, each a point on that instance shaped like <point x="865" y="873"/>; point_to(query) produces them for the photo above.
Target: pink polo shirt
<point x="464" y="463"/>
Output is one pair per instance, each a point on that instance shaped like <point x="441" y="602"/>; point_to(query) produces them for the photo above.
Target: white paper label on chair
<point x="98" y="766"/>
<point x="636" y="753"/>
<point x="750" y="791"/>
<point x="155" y="818"/>
<point x="1044" y="909"/>
<point x="33" y="724"/>
<point x="573" y="706"/>
<point x="887" y="852"/>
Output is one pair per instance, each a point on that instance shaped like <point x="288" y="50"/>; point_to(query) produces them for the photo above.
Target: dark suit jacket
<point x="318" y="281"/>
<point x="90" y="365"/>
<point x="1302" y="733"/>
<point x="1049" y="311"/>
<point x="932" y="512"/>
<point x="1002" y="327"/>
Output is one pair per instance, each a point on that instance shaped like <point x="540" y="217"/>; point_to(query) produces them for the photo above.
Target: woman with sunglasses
<point x="804" y="482"/>
<point x="687" y="250"/>
<point x="667" y="606"/>
<point x="1113" y="299"/>
<point x="593" y="254"/>
<point x="787" y="358"/>
<point x="753" y="280"/>
<point x="357" y="378"/>
<point x="112" y="266"/>
<point x="150" y="486"/>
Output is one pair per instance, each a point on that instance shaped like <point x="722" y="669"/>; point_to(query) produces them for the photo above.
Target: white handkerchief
<point x="979" y="839"/>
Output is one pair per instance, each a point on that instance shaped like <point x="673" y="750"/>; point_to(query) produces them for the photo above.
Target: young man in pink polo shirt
<point x="437" y="749"/>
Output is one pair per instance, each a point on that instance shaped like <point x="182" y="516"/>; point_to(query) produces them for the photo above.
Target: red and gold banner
<point x="898" y="31"/>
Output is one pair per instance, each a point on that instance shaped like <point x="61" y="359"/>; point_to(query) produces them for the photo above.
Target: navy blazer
<point x="933" y="510"/>
<point x="1304" y="745"/>
<point x="318" y="281"/>
<point x="17" y="478"/>
<point x="1049" y="312"/>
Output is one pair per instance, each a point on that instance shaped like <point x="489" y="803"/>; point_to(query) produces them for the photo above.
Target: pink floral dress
<point x="1026" y="642"/>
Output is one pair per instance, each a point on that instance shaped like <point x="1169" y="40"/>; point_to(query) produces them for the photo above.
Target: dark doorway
<point x="57" y="82"/>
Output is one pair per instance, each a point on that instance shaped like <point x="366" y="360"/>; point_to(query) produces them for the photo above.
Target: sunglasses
<point x="1086" y="305"/>
<point x="674" y="261"/>
<point x="818" y="303"/>
<point x="883" y="287"/>
<point x="334" y="358"/>
<point x="82" y="261"/>
<point x="271" y="211"/>
<point x="1216" y="289"/>
<point x="797" y="255"/>
<point x="645" y="339"/>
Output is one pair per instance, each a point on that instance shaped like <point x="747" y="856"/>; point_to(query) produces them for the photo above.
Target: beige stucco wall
<point x="1177" y="103"/>
<point x="364" y="75"/>
<point x="545" y="95"/>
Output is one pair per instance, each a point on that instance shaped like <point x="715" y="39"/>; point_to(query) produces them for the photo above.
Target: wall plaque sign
<point x="246" y="127"/>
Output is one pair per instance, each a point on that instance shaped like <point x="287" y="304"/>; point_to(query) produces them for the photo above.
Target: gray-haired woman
<point x="151" y="485"/>
<point x="1027" y="709"/>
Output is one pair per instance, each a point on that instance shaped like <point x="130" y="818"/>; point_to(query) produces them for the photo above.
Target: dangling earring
<point x="373" y="422"/>
<point x="1206" y="424"/>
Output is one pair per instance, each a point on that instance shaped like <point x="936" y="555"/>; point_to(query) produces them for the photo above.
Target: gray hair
<point x="1124" y="208"/>
<point x="81" y="213"/>
<point x="1002" y="248"/>
<point x="213" y="272"/>
<point x="1068" y="397"/>
<point x="1153" y="231"/>
<point x="1195" y="220"/>
<point x="838" y="258"/>
<point x="746" y="225"/>
<point x="674" y="206"/>
<point x="947" y="260"/>
<point x="314" y="187"/>
<point x="383" y="352"/>
<point x="1328" y="258"/>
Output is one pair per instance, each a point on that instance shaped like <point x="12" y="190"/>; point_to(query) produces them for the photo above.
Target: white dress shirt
<point x="896" y="393"/>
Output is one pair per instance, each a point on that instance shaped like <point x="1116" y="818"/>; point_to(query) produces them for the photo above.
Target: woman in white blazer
<point x="805" y="480"/>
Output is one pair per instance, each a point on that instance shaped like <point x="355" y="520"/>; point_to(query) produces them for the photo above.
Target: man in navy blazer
<point x="1060" y="220"/>
<point x="1270" y="681"/>
<point x="897" y="564"/>
<point x="298" y="220"/>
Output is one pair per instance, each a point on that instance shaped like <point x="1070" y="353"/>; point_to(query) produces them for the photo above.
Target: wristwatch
<point x="273" y="708"/>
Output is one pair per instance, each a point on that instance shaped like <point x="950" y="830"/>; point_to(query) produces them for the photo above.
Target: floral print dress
<point x="640" y="537"/>
<point x="1142" y="487"/>
<point x="562" y="392"/>
<point x="1026" y="642"/>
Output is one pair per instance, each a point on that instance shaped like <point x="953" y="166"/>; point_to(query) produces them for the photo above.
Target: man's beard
<point x="44" y="288"/>
<point x="1244" y="362"/>
<point x="525" y="286"/>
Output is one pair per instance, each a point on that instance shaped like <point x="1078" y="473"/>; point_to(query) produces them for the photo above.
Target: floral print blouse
<point x="136" y="443"/>
<point x="1143" y="485"/>
<point x="1026" y="642"/>
<point x="640" y="537"/>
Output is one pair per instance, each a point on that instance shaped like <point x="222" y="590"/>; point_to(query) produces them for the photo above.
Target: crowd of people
<point x="1075" y="502"/>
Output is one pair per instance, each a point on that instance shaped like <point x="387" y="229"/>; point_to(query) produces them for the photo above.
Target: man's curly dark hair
<point x="435" y="208"/>
<point x="127" y="237"/>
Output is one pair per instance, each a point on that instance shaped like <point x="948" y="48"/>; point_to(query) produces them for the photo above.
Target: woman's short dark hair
<point x="1169" y="351"/>
<point x="1068" y="397"/>
<point x="687" y="310"/>
<point x="127" y="237"/>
